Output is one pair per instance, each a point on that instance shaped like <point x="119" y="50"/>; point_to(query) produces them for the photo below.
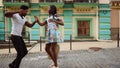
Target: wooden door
<point x="83" y="28"/>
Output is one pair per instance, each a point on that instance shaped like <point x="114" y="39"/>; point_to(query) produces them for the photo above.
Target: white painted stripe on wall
<point x="97" y="27"/>
<point x="1" y="2"/>
<point x="34" y="1"/>
<point x="104" y="1"/>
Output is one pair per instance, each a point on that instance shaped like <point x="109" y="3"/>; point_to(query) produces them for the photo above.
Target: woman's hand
<point x="40" y="23"/>
<point x="56" y="15"/>
<point x="51" y="20"/>
<point x="36" y="18"/>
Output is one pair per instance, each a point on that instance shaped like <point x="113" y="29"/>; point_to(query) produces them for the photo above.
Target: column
<point x="97" y="24"/>
<point x="35" y="11"/>
<point x="2" y="24"/>
<point x="104" y="22"/>
<point x="67" y="24"/>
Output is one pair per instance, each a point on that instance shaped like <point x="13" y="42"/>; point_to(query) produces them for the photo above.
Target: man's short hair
<point x="24" y="7"/>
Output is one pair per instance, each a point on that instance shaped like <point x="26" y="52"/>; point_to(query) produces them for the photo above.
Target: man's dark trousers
<point x="21" y="49"/>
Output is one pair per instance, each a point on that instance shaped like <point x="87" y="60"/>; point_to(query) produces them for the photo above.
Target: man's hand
<point x="40" y="23"/>
<point x="32" y="24"/>
<point x="36" y="18"/>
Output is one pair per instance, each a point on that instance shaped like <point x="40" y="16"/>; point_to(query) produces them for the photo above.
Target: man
<point x="18" y="21"/>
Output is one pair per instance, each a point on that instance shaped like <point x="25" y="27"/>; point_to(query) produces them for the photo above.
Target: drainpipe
<point x="97" y="24"/>
<point x="4" y="21"/>
<point x="118" y="31"/>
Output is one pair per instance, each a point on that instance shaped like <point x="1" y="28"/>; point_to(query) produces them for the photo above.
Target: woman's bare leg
<point x="54" y="53"/>
<point x="47" y="49"/>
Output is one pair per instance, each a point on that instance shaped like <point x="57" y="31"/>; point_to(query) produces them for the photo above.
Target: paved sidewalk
<point x="105" y="58"/>
<point x="82" y="45"/>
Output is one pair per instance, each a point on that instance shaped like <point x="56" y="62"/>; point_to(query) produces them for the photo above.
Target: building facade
<point x="83" y="19"/>
<point x="115" y="18"/>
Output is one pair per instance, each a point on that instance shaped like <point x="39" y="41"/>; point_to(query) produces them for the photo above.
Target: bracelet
<point x="34" y="22"/>
<point x="55" y="21"/>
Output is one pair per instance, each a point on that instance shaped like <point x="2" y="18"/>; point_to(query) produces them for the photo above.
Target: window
<point x="49" y="0"/>
<point x="95" y="1"/>
<point x="41" y="0"/>
<point x="81" y="0"/>
<point x="86" y="1"/>
<point x="7" y="0"/>
<point x="16" y="0"/>
<point x="83" y="28"/>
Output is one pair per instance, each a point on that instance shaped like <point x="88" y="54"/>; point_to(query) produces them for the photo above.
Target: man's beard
<point x="24" y="15"/>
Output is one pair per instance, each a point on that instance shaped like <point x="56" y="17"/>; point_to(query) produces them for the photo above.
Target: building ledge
<point x="49" y="3"/>
<point x="85" y="4"/>
<point x="85" y="37"/>
<point x="15" y="3"/>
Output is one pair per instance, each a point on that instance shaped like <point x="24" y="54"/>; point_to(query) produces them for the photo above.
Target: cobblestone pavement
<point x="105" y="58"/>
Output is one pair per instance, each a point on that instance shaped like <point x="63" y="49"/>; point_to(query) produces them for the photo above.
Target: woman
<point x="53" y="34"/>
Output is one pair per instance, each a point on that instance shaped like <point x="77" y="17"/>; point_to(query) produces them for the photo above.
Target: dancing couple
<point x="53" y="35"/>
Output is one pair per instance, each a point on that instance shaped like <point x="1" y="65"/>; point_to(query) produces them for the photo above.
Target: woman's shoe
<point x="11" y="65"/>
<point x="55" y="67"/>
<point x="51" y="65"/>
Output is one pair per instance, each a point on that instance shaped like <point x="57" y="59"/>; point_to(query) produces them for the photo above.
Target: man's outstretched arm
<point x="28" y="24"/>
<point x="10" y="14"/>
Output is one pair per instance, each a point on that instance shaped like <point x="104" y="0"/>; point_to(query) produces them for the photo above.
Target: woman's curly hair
<point x="53" y="10"/>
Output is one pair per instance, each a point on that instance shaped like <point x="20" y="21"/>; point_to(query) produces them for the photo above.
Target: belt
<point x="14" y="35"/>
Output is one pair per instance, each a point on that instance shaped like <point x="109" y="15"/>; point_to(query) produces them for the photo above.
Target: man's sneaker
<point x="11" y="65"/>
